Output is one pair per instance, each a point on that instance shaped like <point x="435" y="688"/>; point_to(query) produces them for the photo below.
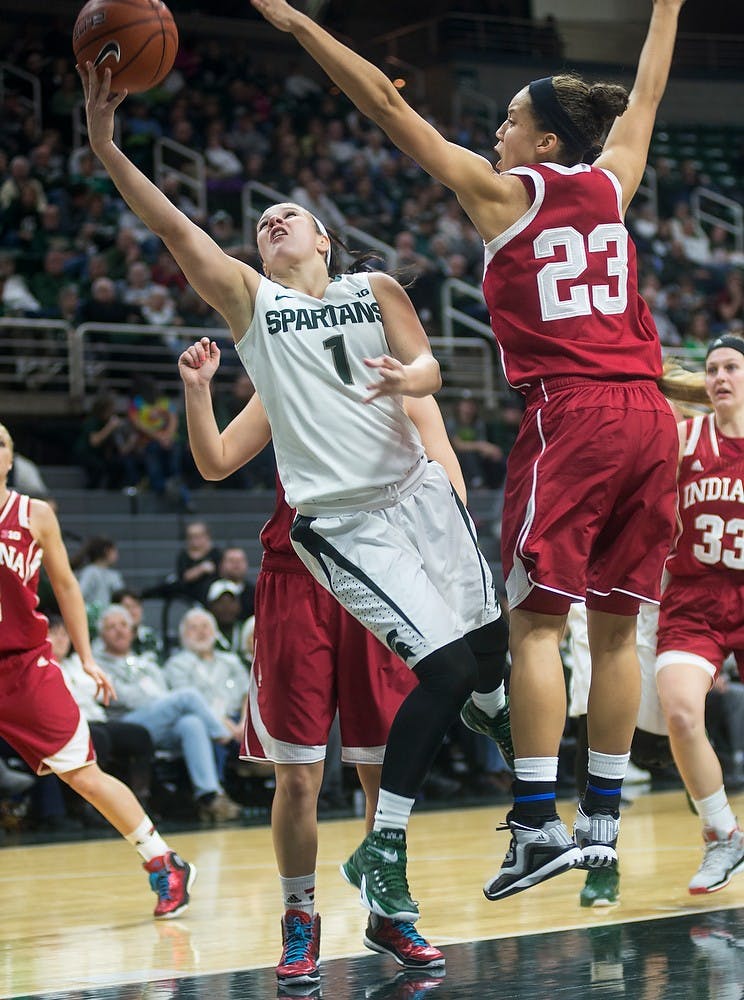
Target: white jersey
<point x="306" y="359"/>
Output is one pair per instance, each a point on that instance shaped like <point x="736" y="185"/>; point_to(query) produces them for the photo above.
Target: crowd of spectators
<point x="70" y="249"/>
<point x="174" y="729"/>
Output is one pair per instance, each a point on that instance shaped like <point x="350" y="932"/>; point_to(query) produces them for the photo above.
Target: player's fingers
<point x="105" y="87"/>
<point x="116" y="99"/>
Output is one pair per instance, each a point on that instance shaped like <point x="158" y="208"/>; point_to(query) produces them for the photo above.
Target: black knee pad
<point x="650" y="750"/>
<point x="489" y="644"/>
<point x="491" y="639"/>
<point x="450" y="671"/>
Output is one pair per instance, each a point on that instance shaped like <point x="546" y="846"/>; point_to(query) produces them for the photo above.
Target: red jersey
<point x="21" y="626"/>
<point x="561" y="284"/>
<point x="711" y="503"/>
<point x="275" y="533"/>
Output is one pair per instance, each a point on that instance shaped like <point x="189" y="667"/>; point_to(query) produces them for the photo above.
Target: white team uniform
<point x="305" y="356"/>
<point x="378" y="526"/>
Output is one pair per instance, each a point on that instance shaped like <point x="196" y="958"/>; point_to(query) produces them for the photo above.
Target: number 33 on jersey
<point x="711" y="502"/>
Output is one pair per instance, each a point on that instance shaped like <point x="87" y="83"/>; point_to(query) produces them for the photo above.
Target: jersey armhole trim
<point x="696" y="426"/>
<point x="498" y="242"/>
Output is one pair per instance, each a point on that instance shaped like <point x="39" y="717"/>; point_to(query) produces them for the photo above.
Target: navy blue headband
<point x="550" y="113"/>
<point x="726" y="340"/>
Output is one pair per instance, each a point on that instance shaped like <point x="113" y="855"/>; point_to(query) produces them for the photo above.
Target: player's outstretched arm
<point x="376" y="97"/>
<point x="228" y="285"/>
<point x="217" y="455"/>
<point x="626" y="148"/>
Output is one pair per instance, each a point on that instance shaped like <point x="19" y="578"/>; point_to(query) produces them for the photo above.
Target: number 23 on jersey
<point x="569" y="253"/>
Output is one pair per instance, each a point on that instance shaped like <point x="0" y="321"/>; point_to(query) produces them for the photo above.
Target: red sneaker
<point x="171" y="879"/>
<point x="400" y="939"/>
<point x="300" y="949"/>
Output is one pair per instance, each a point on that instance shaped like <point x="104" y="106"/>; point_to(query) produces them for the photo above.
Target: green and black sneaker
<point x="602" y="887"/>
<point x="497" y="728"/>
<point x="378" y="869"/>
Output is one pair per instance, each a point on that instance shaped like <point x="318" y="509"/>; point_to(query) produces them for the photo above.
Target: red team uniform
<point x="702" y="607"/>
<point x="589" y="506"/>
<point x="38" y="715"/>
<point x="311" y="658"/>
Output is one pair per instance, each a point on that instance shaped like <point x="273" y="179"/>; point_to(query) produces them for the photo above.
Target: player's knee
<point x="451" y="671"/>
<point x="298" y="784"/>
<point x="684" y="720"/>
<point x="84" y="780"/>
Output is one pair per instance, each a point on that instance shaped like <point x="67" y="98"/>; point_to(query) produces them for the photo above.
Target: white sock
<point x="298" y="893"/>
<point x="393" y="811"/>
<point x="492" y="702"/>
<point x="147" y="841"/>
<point x="536" y="768"/>
<point x="715" y="812"/>
<point x="608" y="765"/>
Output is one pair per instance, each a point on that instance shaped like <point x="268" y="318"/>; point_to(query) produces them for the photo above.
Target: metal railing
<point x="38" y="355"/>
<point x="31" y="101"/>
<point x="580" y="40"/>
<point x="728" y="214"/>
<point x="490" y="383"/>
<point x="50" y="356"/>
<point x="649" y="189"/>
<point x="195" y="179"/>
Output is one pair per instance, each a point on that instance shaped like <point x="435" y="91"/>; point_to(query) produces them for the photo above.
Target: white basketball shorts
<point x="410" y="572"/>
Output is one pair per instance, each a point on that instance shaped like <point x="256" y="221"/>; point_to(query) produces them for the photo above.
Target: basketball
<point x="136" y="39"/>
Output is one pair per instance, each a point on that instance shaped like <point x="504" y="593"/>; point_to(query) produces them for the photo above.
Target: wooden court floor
<point x="75" y="919"/>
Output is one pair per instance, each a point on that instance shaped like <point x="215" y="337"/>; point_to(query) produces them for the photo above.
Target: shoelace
<point x="713" y="851"/>
<point x="408" y="930"/>
<point x="391" y="880"/>
<point x="299" y="935"/>
<point x="160" y="882"/>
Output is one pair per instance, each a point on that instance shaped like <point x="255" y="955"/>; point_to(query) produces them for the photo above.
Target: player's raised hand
<point x="100" y="104"/>
<point x="199" y="362"/>
<point x="277" y="12"/>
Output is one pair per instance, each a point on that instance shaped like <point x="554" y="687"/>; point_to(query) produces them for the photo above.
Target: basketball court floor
<point x="75" y="920"/>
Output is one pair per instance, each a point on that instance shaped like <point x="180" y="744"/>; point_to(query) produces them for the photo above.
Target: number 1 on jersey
<point x="337" y="348"/>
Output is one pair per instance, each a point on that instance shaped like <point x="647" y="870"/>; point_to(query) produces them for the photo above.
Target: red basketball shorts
<point x="38" y="715"/>
<point x="702" y="618"/>
<point x="311" y="660"/>
<point x="590" y="499"/>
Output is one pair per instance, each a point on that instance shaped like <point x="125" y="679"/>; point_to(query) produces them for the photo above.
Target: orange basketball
<point x="136" y="39"/>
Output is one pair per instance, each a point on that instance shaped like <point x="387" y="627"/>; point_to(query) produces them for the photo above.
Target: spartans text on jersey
<point x="327" y="316"/>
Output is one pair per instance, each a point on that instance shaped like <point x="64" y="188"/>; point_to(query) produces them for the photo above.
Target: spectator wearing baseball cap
<point x="224" y="602"/>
